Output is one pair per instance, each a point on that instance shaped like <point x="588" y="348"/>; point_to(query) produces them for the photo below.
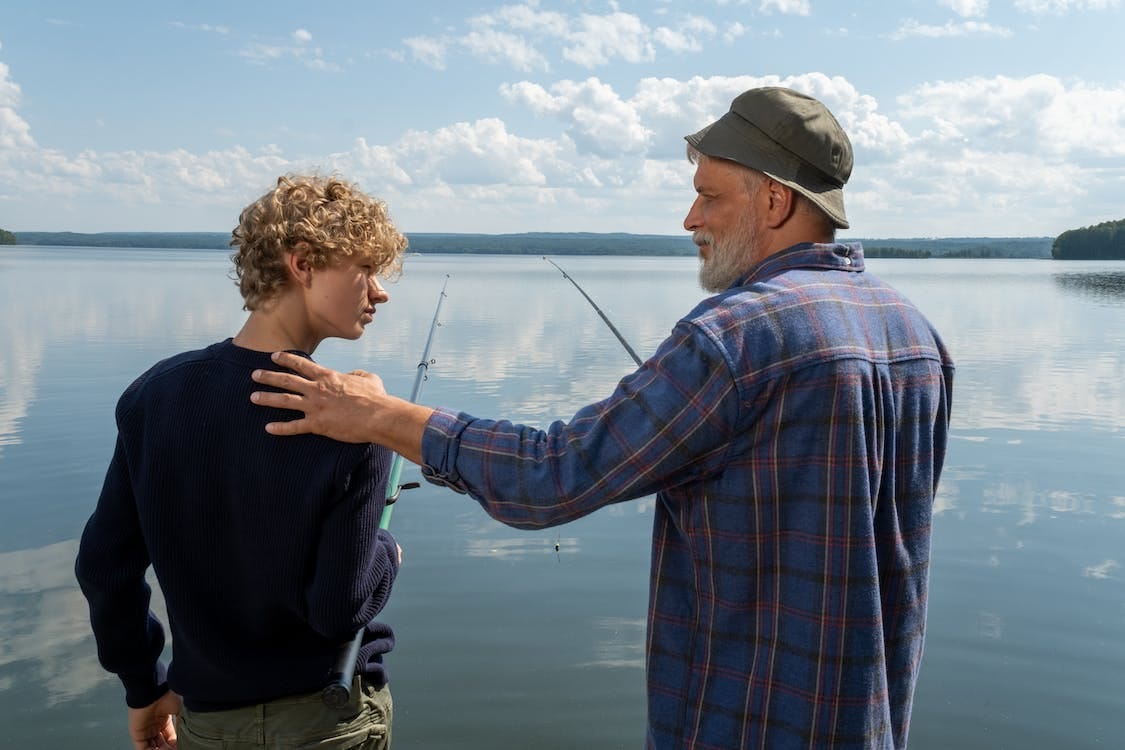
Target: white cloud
<point x="15" y="133"/>
<point x="9" y="90"/>
<point x="966" y="8"/>
<point x="523" y="36"/>
<point x="496" y="46"/>
<point x="788" y="7"/>
<point x="263" y="54"/>
<point x="600" y="122"/>
<point x="92" y="184"/>
<point x="674" y="108"/>
<point x="984" y="155"/>
<point x="689" y="38"/>
<point x="598" y="39"/>
<point x="911" y="28"/>
<point x="733" y="31"/>
<point x="428" y="50"/>
<point x="526" y="18"/>
<point x="1039" y="114"/>
<point x="1018" y="155"/>
<point x="378" y="164"/>
<point x="478" y="153"/>
<point x="205" y="27"/>
<point x="1040" y="7"/>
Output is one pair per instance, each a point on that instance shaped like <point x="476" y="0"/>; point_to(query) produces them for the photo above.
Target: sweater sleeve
<point x="356" y="560"/>
<point x="110" y="568"/>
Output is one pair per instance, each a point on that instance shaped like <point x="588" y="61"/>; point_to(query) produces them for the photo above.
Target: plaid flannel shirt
<point x="793" y="429"/>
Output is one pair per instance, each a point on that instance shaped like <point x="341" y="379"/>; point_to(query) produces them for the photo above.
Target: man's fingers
<point x="279" y="400"/>
<point x="295" y="427"/>
<point x="302" y="365"/>
<point x="286" y="380"/>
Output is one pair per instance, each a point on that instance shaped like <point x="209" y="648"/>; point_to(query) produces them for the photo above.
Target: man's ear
<point x="781" y="203"/>
<point x="297" y="264"/>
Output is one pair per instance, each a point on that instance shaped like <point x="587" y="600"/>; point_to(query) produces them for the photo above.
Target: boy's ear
<point x="297" y="263"/>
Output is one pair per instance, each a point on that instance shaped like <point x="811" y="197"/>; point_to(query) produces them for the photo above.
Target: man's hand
<point x="335" y="404"/>
<point x="352" y="407"/>
<point x="153" y="726"/>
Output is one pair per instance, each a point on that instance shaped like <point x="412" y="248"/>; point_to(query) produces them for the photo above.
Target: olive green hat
<point x="791" y="137"/>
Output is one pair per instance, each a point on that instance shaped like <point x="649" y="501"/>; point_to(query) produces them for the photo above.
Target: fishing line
<point x="338" y="690"/>
<point x="612" y="327"/>
<point x="617" y="333"/>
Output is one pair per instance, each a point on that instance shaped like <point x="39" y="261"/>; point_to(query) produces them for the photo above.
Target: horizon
<point x="683" y="235"/>
<point x="1001" y="119"/>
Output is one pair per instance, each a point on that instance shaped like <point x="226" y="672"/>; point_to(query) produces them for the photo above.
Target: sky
<point x="969" y="118"/>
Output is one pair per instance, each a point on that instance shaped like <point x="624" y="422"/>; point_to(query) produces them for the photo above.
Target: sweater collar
<point x="228" y="351"/>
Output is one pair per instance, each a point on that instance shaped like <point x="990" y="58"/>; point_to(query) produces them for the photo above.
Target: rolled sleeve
<point x="439" y="449"/>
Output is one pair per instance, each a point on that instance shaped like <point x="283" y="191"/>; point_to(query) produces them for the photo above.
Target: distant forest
<point x="1105" y="241"/>
<point x="568" y="243"/>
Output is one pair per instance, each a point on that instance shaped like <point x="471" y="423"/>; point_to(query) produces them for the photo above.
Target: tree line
<point x="565" y="243"/>
<point x="1105" y="241"/>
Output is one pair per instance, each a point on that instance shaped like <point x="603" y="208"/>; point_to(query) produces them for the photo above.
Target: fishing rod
<point x="338" y="690"/>
<point x="612" y="327"/>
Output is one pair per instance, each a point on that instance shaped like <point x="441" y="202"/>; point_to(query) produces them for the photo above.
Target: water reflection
<point x="1104" y="569"/>
<point x="620" y="643"/>
<point x="1028" y="517"/>
<point x="46" y="624"/>
<point x="521" y="547"/>
<point x="1102" y="286"/>
<point x="1031" y="353"/>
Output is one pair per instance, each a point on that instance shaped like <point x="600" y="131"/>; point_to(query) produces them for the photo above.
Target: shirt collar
<point x="835" y="256"/>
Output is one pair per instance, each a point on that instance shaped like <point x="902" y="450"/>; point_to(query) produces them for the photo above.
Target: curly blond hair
<point x="328" y="218"/>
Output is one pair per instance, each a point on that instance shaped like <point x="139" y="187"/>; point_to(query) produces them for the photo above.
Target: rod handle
<point x="338" y="691"/>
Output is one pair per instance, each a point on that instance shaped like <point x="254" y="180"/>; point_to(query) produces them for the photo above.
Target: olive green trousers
<point x="293" y="723"/>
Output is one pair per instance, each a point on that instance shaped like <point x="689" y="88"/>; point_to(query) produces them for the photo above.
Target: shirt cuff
<point x="440" y="443"/>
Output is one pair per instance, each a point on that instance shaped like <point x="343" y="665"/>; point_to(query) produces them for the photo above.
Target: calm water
<point x="506" y="643"/>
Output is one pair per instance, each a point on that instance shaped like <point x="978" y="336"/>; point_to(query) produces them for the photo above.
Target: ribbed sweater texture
<point x="267" y="549"/>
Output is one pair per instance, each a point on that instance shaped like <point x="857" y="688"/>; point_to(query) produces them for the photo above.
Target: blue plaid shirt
<point x="793" y="429"/>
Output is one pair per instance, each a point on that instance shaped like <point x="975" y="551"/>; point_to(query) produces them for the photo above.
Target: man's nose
<point x="692" y="220"/>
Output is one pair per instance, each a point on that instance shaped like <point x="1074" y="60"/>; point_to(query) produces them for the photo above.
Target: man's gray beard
<point x="728" y="261"/>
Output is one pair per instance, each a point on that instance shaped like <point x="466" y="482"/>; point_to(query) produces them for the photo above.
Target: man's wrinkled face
<point x="722" y="222"/>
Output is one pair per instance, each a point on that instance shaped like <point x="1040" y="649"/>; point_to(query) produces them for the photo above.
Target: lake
<point x="514" y="639"/>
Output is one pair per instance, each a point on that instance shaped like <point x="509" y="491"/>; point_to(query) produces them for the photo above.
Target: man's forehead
<point x="716" y="172"/>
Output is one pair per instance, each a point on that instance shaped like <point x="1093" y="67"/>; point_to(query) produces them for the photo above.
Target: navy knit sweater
<point x="267" y="549"/>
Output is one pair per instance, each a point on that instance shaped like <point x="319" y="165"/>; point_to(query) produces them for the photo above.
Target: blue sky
<point x="968" y="117"/>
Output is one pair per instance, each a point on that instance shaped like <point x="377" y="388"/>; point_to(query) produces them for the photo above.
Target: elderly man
<point x="793" y="427"/>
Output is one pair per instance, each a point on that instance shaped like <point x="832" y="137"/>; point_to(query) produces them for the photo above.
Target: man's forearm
<point x="399" y="425"/>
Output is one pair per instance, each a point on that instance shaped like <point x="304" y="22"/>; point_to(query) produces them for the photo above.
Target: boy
<point x="267" y="551"/>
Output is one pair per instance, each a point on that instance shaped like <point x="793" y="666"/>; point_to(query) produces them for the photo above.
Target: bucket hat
<point x="789" y="136"/>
